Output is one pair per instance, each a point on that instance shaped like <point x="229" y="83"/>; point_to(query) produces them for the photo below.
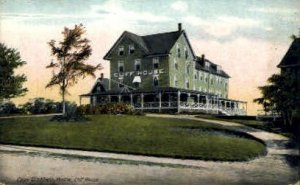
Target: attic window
<point x="155" y="63"/>
<point x="121" y="50"/>
<point x="178" y="52"/>
<point x="121" y="66"/>
<point x="131" y="49"/>
<point x="137" y="64"/>
<point x="186" y="53"/>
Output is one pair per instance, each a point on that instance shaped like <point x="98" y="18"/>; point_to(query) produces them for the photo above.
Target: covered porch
<point x="171" y="100"/>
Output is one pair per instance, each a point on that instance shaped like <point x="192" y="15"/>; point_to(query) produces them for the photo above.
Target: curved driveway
<point x="36" y="165"/>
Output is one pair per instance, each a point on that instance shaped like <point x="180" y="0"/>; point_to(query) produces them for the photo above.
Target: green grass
<point x="135" y="135"/>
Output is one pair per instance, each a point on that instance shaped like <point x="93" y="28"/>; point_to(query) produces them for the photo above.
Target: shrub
<point x="109" y="108"/>
<point x="8" y="108"/>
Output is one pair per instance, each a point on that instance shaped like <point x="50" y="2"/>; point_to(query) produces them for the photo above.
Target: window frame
<point x="155" y="60"/>
<point x="121" y="48"/>
<point x="130" y="49"/>
<point x="137" y="62"/>
<point x="121" y="64"/>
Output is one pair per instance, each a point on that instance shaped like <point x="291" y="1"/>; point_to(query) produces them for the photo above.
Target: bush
<point x="8" y="108"/>
<point x="41" y="106"/>
<point x="109" y="108"/>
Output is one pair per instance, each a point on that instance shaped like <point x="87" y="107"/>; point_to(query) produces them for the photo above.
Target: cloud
<point x="180" y="6"/>
<point x="273" y="10"/>
<point x="114" y="11"/>
<point x="222" y="26"/>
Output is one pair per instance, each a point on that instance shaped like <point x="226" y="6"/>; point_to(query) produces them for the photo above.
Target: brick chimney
<point x="203" y="57"/>
<point x="179" y="27"/>
<point x="101" y="76"/>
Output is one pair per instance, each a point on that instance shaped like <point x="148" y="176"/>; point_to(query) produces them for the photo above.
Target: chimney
<point x="179" y="27"/>
<point x="101" y="76"/>
<point x="203" y="57"/>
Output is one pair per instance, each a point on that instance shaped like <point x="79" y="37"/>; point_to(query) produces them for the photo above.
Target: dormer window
<point x="207" y="65"/>
<point x="121" y="50"/>
<point x="131" y="49"/>
<point x="121" y="66"/>
<point x="155" y="63"/>
<point x="219" y="68"/>
<point x="137" y="64"/>
<point x="186" y="53"/>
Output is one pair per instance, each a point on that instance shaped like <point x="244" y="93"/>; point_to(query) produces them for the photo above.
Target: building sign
<point x="140" y="73"/>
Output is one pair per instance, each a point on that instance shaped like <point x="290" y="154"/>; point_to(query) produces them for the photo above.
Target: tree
<point x="11" y="85"/>
<point x="71" y="53"/>
<point x="281" y="95"/>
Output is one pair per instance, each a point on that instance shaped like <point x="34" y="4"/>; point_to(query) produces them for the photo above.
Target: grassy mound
<point x="135" y="135"/>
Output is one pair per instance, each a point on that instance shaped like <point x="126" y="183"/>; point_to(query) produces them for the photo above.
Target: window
<point x="155" y="63"/>
<point x="121" y="66"/>
<point x="131" y="49"/>
<point x="155" y="81"/>
<point x="186" y="53"/>
<point x="187" y="84"/>
<point x="121" y="50"/>
<point x="175" y="82"/>
<point x="137" y="64"/>
<point x="178" y="51"/>
<point x="187" y="69"/>
<point x="207" y="64"/>
<point x="195" y="76"/>
<point x="175" y="64"/>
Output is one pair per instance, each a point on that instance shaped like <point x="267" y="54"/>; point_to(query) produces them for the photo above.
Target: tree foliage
<point x="70" y="54"/>
<point x="11" y="85"/>
<point x="281" y="95"/>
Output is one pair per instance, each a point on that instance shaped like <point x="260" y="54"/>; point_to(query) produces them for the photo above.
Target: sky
<point x="248" y="38"/>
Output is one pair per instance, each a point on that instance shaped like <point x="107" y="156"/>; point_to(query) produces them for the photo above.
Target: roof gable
<point x="161" y="43"/>
<point x="155" y="44"/>
<point x="292" y="56"/>
<point x="133" y="37"/>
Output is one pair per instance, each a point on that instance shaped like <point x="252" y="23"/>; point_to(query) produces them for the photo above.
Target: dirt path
<point x="25" y="165"/>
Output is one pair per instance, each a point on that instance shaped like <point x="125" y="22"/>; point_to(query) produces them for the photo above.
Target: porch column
<point x="159" y="99"/>
<point x="94" y="100"/>
<point x="131" y="100"/>
<point x="189" y="95"/>
<point x="178" y="101"/>
<point x="169" y="99"/>
<point x="109" y="99"/>
<point x="142" y="101"/>
<point x="198" y="99"/>
<point x="207" y="103"/>
<point x="119" y="98"/>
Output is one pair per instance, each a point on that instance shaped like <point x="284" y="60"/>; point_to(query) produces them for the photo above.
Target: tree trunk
<point x="63" y="103"/>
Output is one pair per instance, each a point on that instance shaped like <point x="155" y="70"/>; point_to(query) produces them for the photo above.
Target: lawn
<point x="165" y="137"/>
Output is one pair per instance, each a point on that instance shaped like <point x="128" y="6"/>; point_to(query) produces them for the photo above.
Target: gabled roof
<point x="155" y="44"/>
<point x="212" y="67"/>
<point x="161" y="43"/>
<point x="292" y="56"/>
